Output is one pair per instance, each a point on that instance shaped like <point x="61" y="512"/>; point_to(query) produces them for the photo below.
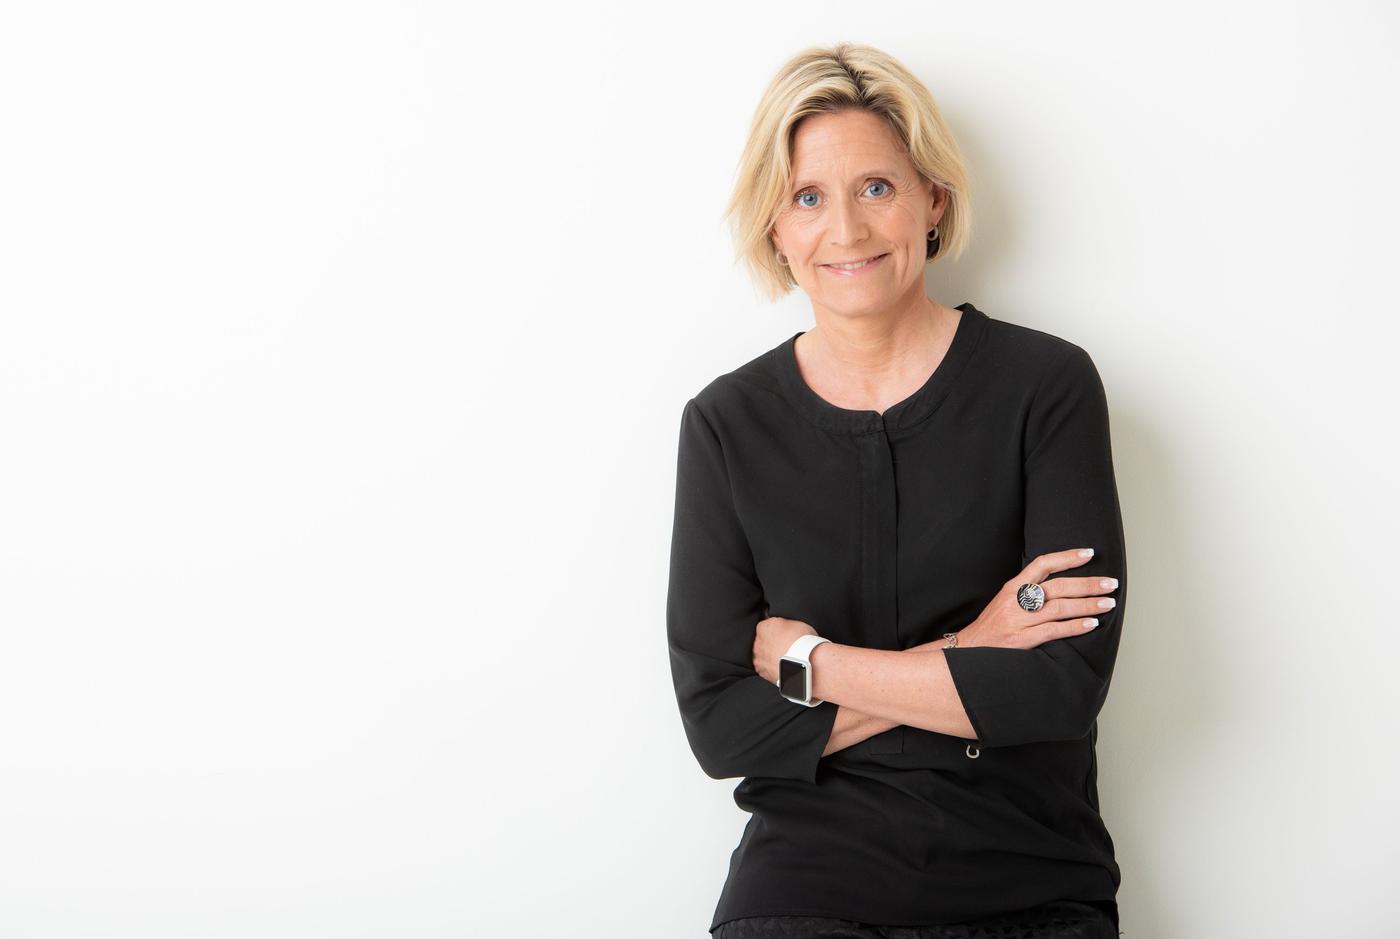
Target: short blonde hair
<point x="825" y="79"/>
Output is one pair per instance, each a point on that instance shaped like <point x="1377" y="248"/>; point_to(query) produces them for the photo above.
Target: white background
<point x="342" y="358"/>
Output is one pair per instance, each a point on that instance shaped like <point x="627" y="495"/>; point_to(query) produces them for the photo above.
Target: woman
<point x="896" y="552"/>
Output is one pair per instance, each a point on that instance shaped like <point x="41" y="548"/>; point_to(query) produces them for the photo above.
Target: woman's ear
<point x="938" y="204"/>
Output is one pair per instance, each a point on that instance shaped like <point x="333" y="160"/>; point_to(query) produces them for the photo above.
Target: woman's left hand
<point x="772" y="638"/>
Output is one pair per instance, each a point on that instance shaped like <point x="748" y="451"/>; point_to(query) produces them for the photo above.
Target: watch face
<point x="792" y="679"/>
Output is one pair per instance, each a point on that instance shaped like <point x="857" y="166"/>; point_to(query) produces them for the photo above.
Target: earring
<point x="782" y="259"/>
<point x="933" y="244"/>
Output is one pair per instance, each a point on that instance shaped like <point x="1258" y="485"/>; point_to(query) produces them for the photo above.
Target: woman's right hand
<point x="1069" y="601"/>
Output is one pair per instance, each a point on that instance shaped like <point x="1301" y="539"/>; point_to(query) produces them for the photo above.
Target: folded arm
<point x="1002" y="696"/>
<point x="1056" y="690"/>
<point x="853" y="725"/>
<point x="736" y="722"/>
<point x="897" y="687"/>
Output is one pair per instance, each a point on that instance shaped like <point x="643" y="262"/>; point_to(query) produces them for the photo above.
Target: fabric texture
<point x="884" y="531"/>
<point x="1057" y="920"/>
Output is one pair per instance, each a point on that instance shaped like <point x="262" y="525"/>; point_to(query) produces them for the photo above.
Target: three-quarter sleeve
<point x="736" y="721"/>
<point x="1056" y="690"/>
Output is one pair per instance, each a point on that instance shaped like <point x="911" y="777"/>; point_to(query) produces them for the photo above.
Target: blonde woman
<point x="897" y="566"/>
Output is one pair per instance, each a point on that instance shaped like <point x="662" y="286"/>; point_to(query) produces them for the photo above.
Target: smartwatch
<point x="795" y="671"/>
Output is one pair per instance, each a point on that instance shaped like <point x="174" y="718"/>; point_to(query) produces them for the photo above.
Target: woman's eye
<point x="802" y="197"/>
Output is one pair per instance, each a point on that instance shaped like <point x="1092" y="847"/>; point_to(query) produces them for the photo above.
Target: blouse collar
<point x="905" y="413"/>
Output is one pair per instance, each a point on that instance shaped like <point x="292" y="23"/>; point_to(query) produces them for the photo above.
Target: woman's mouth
<point x="859" y="267"/>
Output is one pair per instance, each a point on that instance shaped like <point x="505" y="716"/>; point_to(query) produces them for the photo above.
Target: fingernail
<point x="1090" y="623"/>
<point x="1108" y="583"/>
<point x="1107" y="603"/>
<point x="1086" y="552"/>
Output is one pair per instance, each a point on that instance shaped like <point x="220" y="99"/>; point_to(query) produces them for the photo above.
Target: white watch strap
<point x="802" y="647"/>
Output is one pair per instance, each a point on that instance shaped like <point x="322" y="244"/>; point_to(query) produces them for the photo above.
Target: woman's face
<point x="856" y="195"/>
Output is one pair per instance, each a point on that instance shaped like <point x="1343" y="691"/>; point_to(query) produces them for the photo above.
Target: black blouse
<point x="885" y="531"/>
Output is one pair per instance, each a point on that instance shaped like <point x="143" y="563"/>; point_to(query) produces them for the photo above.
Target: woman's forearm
<point x="853" y="726"/>
<point x="911" y="686"/>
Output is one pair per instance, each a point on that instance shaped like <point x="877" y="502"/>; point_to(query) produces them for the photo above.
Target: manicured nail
<point x="1086" y="552"/>
<point x="1090" y="623"/>
<point x="1107" y="603"/>
<point x="1108" y="583"/>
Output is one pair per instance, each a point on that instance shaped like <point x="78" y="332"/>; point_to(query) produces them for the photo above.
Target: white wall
<point x="342" y="353"/>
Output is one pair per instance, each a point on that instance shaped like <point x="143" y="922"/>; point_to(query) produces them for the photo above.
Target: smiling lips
<point x="856" y="266"/>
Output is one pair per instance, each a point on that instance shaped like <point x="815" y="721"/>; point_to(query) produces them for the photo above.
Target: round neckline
<point x="904" y="413"/>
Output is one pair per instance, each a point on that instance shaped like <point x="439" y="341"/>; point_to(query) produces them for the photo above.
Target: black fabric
<point x="1062" y="919"/>
<point x="884" y="531"/>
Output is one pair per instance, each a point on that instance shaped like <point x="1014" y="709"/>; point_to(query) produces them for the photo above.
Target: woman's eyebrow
<point x="893" y="174"/>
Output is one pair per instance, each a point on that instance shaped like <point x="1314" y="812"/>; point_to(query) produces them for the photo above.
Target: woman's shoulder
<point x="737" y="389"/>
<point x="1029" y="343"/>
<point x="1039" y="356"/>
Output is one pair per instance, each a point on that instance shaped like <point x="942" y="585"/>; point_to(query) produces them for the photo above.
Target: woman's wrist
<point x="934" y="646"/>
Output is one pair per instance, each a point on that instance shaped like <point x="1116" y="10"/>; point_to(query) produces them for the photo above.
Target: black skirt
<point x="1061" y="919"/>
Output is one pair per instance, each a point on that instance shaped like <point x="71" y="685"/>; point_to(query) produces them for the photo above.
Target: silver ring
<point x="1030" y="596"/>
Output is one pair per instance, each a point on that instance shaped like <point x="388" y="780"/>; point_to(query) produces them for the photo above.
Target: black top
<point x="885" y="531"/>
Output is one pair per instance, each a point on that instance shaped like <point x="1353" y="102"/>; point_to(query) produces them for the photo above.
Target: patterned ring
<point x="1030" y="596"/>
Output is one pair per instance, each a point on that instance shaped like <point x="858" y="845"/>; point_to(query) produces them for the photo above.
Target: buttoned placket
<point x="879" y="515"/>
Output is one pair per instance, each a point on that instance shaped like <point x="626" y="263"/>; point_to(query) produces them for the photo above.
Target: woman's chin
<point x="859" y="301"/>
